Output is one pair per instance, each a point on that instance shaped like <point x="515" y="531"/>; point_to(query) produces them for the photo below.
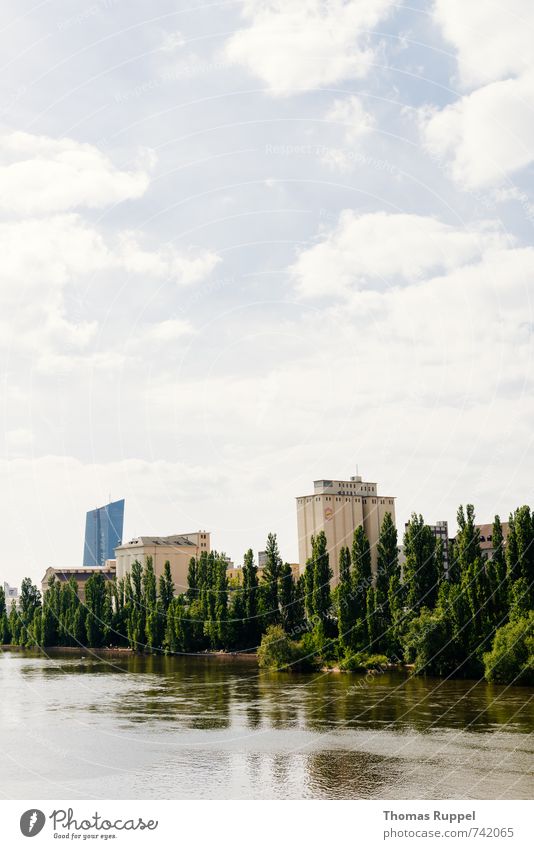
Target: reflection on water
<point x="175" y="727"/>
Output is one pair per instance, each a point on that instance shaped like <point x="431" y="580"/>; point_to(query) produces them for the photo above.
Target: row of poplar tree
<point x="473" y="616"/>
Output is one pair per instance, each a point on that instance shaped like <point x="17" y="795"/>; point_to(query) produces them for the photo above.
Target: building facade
<point x="441" y="532"/>
<point x="12" y="596"/>
<point x="486" y="538"/>
<point x="177" y="549"/>
<point x="235" y="573"/>
<point x="103" y="533"/>
<point x="80" y="574"/>
<point x="338" y="507"/>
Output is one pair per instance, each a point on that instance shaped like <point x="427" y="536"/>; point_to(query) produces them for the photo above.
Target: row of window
<point x="340" y="498"/>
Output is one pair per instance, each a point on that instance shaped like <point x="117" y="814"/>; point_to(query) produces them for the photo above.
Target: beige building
<point x="338" y="508"/>
<point x="81" y="575"/>
<point x="236" y="572"/>
<point x="177" y="549"/>
<point x="486" y="538"/>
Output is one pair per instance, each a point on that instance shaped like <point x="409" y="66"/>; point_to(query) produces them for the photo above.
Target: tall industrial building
<point x="338" y="508"/>
<point x="103" y="533"/>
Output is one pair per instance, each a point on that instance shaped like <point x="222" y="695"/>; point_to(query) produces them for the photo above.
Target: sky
<point x="246" y="245"/>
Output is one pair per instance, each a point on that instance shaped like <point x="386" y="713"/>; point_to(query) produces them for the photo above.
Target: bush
<point x="278" y="652"/>
<point x="275" y="651"/>
<point x="306" y="654"/>
<point x="362" y="661"/>
<point x="511" y="658"/>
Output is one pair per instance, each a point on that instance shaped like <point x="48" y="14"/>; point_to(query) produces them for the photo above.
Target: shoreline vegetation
<point x="226" y="656"/>
<point x="474" y="620"/>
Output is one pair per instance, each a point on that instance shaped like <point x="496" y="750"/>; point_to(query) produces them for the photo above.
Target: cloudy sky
<point x="249" y="244"/>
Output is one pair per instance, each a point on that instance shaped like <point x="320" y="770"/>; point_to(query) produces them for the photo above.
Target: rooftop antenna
<point x="357" y="470"/>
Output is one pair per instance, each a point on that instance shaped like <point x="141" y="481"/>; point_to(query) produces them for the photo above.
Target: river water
<point x="174" y="728"/>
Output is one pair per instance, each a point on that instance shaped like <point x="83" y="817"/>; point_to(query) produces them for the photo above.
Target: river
<point x="127" y="727"/>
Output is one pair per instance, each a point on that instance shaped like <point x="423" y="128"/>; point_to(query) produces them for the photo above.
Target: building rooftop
<point x="175" y="539"/>
<point x="81" y="569"/>
<point x="353" y="486"/>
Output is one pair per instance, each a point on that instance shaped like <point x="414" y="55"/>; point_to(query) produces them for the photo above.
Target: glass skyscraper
<point x="103" y="533"/>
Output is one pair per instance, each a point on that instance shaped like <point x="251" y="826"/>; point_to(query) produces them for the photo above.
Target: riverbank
<point x="122" y="651"/>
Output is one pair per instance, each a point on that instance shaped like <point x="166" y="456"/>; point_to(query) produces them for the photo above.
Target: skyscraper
<point x="103" y="533"/>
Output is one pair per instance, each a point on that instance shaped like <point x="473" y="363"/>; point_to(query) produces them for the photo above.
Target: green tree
<point x="193" y="579"/>
<point x="5" y="633"/>
<point x="135" y="622"/>
<point x="467" y="543"/>
<point x="286" y="597"/>
<point x="15" y="625"/>
<point x="421" y="576"/>
<point x="387" y="567"/>
<point x="237" y="622"/>
<point x="30" y="599"/>
<point x="497" y="578"/>
<point x="361" y="581"/>
<point x="166" y="587"/>
<point x="50" y="625"/>
<point x="396" y="603"/>
<point x="149" y="584"/>
<point x="425" y="637"/>
<point x="322" y="575"/>
<point x="119" y="617"/>
<point x="98" y="610"/>
<point x="373" y="620"/>
<point x="308" y="585"/>
<point x="153" y="610"/>
<point x="511" y="659"/>
<point x="520" y="552"/>
<point x="474" y="585"/>
<point x="34" y="630"/>
<point x="30" y="603"/>
<point x="270" y="577"/>
<point x="221" y="602"/>
<point x="177" y="631"/>
<point x="155" y="626"/>
<point x="250" y="597"/>
<point x="346" y="618"/>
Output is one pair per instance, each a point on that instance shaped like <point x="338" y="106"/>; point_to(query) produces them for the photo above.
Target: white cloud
<point x="351" y="114"/>
<point x="45" y="258"/>
<point x="18" y="438"/>
<point x="164" y="263"/>
<point x="166" y="331"/>
<point x="304" y="44"/>
<point x="50" y="252"/>
<point x="488" y="133"/>
<point x="39" y="175"/>
<point x="493" y="39"/>
<point x="171" y="41"/>
<point x="363" y="249"/>
<point x="356" y="123"/>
